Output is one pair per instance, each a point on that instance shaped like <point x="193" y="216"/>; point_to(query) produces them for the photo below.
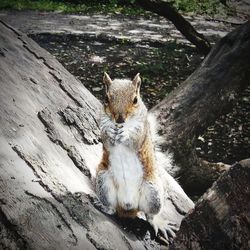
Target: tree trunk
<point x="220" y="219"/>
<point x="166" y="10"/>
<point x="204" y="96"/>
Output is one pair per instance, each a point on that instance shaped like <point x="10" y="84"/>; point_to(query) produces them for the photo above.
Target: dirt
<point x="163" y="68"/>
<point x="120" y="27"/>
<point x="228" y="139"/>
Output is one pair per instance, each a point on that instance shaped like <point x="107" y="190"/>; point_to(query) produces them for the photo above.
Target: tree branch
<point x="187" y="30"/>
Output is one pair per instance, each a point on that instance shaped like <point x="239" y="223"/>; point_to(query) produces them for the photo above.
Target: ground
<point x="87" y="45"/>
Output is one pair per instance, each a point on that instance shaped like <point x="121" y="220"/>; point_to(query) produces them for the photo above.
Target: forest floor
<point x="87" y="45"/>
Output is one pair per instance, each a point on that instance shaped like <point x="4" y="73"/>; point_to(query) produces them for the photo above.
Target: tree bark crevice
<point x="10" y="238"/>
<point x="46" y="118"/>
<point x="59" y="213"/>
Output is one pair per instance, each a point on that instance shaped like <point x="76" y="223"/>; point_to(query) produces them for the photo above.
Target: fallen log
<point x="49" y="147"/>
<point x="49" y="150"/>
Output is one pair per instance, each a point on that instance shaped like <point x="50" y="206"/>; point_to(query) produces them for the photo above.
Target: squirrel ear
<point x="106" y="80"/>
<point x="137" y="81"/>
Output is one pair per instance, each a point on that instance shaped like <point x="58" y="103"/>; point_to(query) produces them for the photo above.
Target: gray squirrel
<point x="131" y="178"/>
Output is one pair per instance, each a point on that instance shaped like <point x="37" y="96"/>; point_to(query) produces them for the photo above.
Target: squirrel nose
<point x="120" y="119"/>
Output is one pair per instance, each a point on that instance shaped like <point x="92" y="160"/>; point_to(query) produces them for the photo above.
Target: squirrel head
<point x="122" y="97"/>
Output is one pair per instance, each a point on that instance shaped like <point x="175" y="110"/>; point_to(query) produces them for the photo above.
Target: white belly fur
<point x="127" y="172"/>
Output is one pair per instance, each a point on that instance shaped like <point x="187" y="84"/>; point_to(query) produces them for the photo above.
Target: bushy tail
<point x="163" y="158"/>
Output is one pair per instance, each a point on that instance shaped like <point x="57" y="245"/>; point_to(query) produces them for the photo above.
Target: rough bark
<point x="197" y="102"/>
<point x="166" y="10"/>
<point x="49" y="148"/>
<point x="221" y="217"/>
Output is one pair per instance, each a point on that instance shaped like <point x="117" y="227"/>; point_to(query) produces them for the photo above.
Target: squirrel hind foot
<point x="162" y="226"/>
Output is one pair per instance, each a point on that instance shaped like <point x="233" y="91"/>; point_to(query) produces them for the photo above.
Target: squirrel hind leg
<point x="150" y="200"/>
<point x="167" y="221"/>
<point x="106" y="190"/>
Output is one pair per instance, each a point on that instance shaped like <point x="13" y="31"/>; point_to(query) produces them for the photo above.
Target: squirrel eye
<point x="135" y="100"/>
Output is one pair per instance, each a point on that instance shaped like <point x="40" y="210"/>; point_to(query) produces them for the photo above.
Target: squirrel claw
<point x="111" y="134"/>
<point x="120" y="131"/>
<point x="165" y="228"/>
<point x="168" y="233"/>
<point x="171" y="233"/>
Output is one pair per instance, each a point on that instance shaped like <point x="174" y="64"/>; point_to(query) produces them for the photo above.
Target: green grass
<point x="39" y="5"/>
<point x="53" y="5"/>
<point x="200" y="6"/>
<point x="111" y="6"/>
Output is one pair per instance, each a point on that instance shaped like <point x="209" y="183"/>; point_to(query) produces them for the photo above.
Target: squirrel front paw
<point x="111" y="133"/>
<point x="108" y="129"/>
<point x="122" y="136"/>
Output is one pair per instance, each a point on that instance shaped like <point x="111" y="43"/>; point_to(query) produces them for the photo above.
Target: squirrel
<point x="130" y="179"/>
